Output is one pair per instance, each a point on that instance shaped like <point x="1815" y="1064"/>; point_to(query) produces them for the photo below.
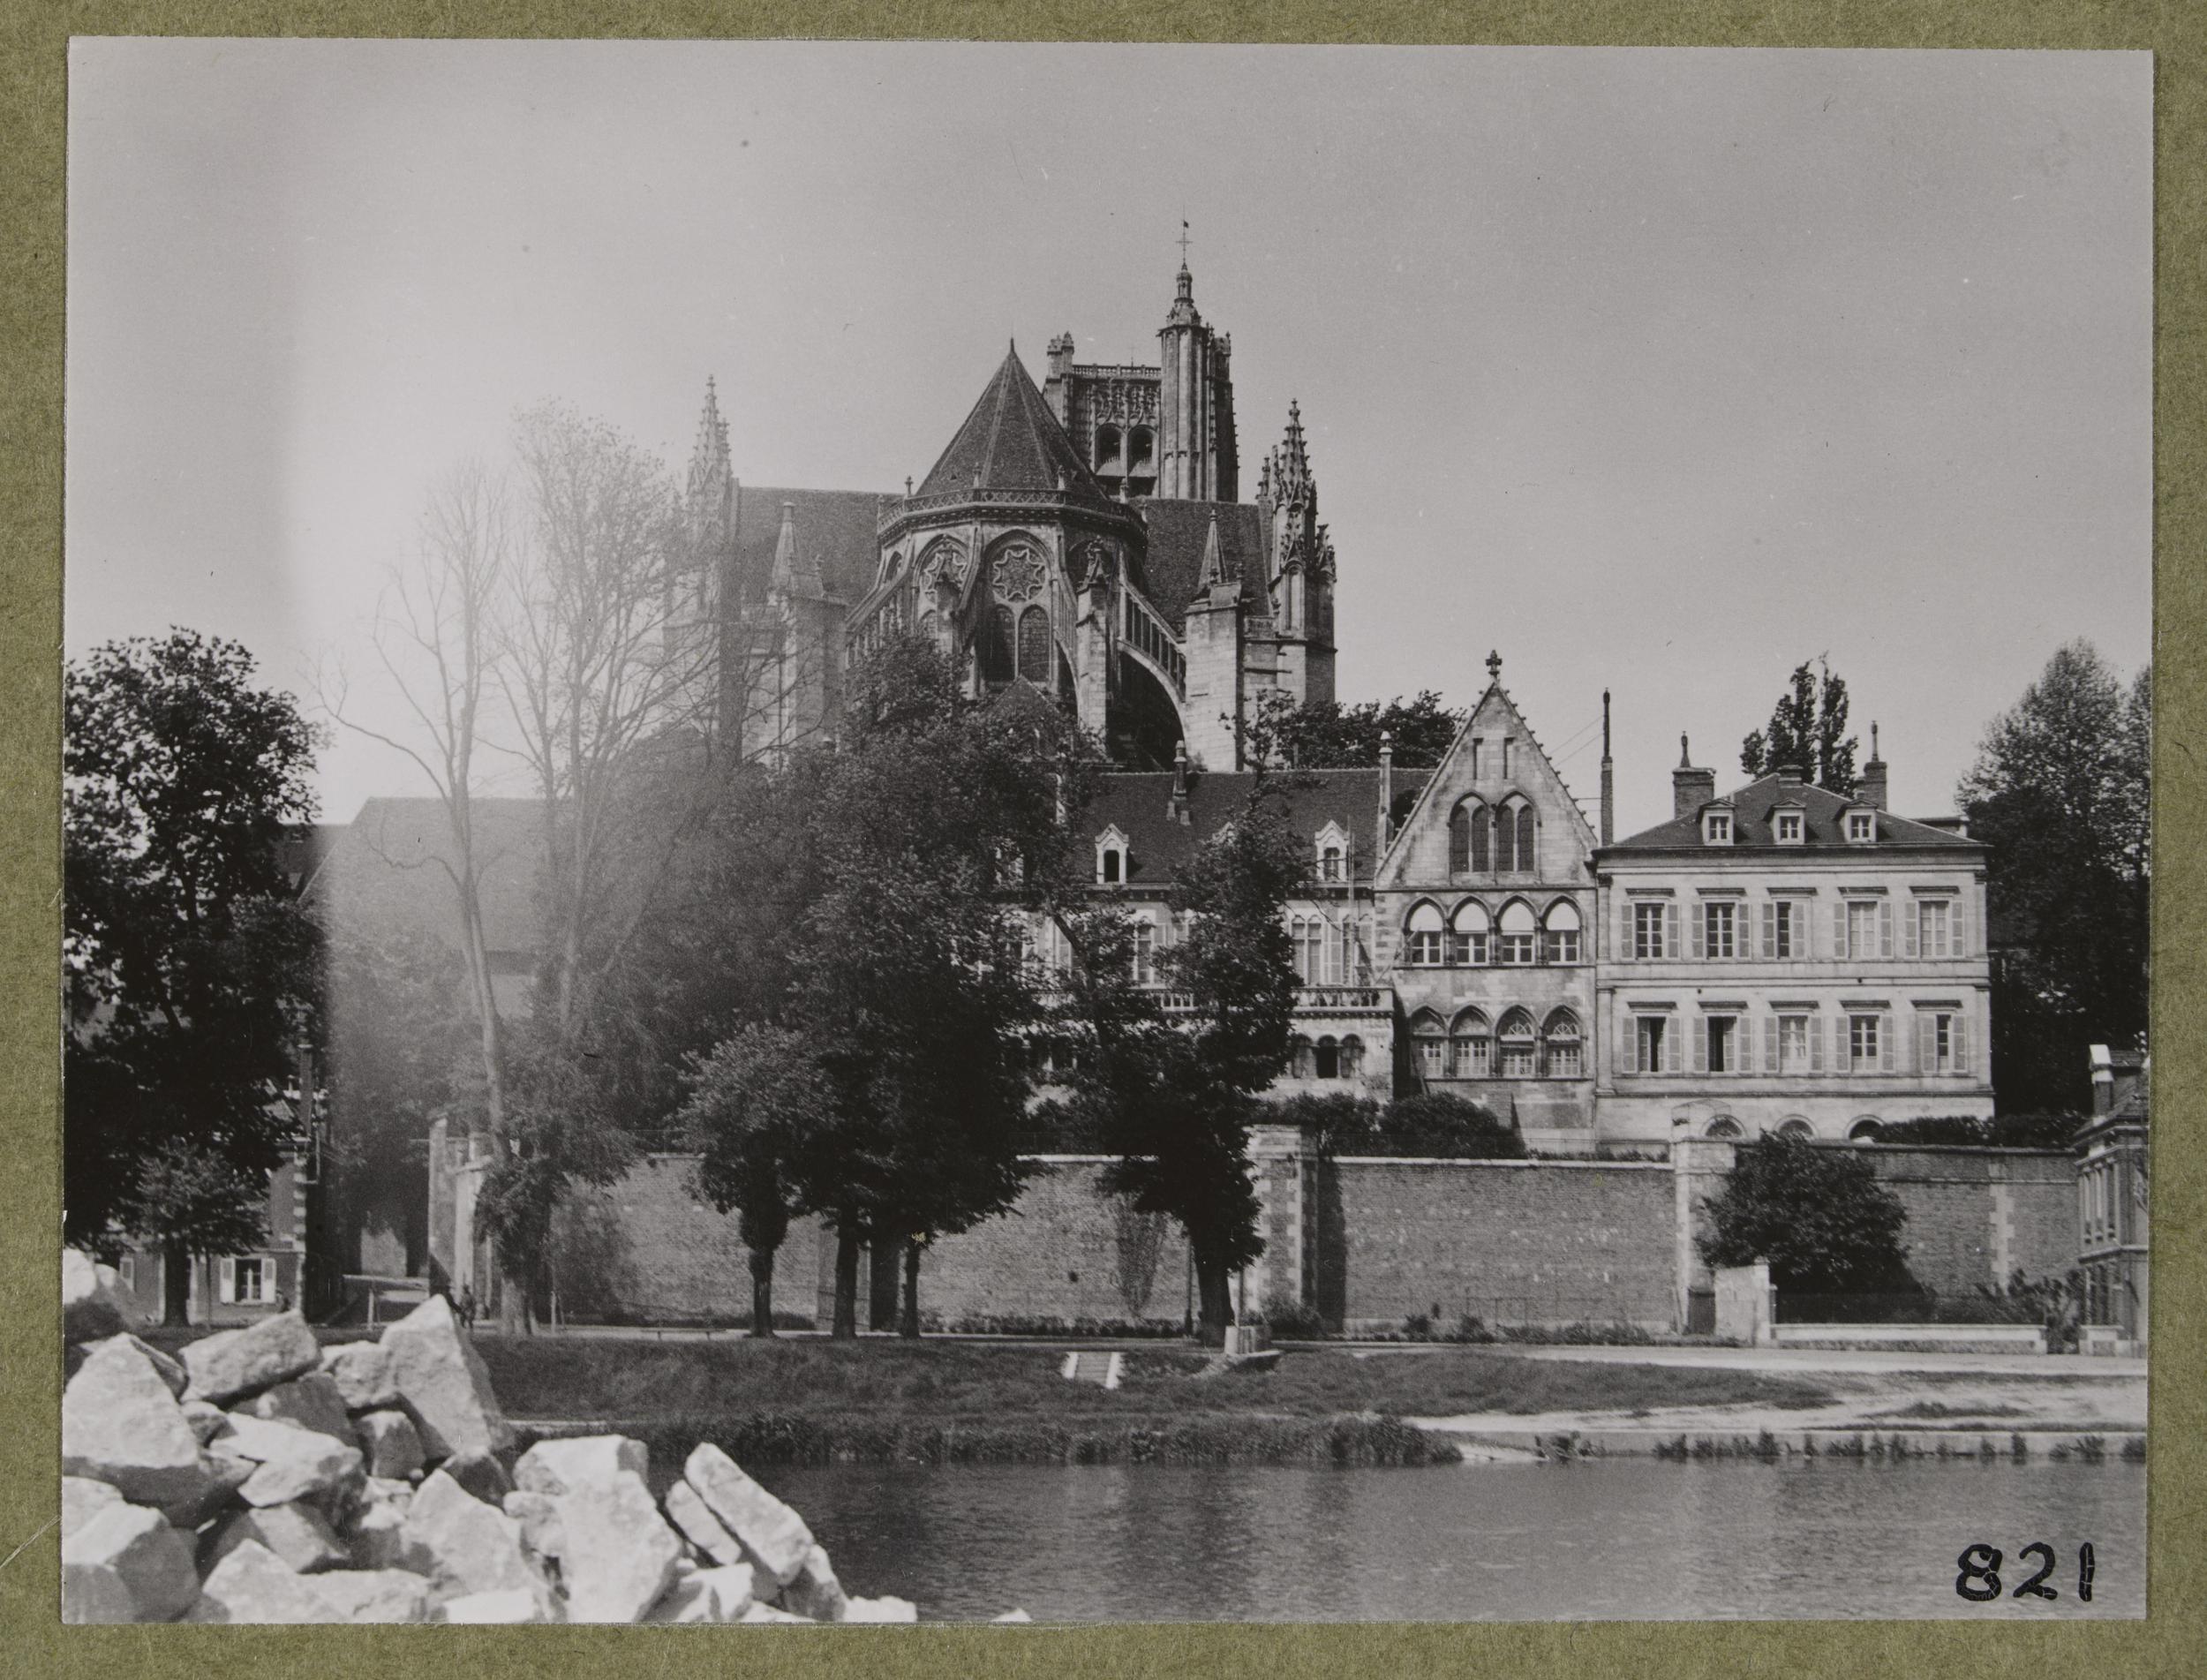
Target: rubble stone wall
<point x="1978" y="1217"/>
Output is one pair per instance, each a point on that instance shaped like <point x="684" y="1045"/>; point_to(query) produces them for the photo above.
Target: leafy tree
<point x="934" y="820"/>
<point x="1807" y="732"/>
<point x="192" y="972"/>
<point x="1970" y="1131"/>
<point x="1818" y="1215"/>
<point x="1445" y="1125"/>
<point x="758" y="1103"/>
<point x="2062" y="791"/>
<point x="1177" y="1096"/>
<point x="190" y="1200"/>
<point x="1327" y="735"/>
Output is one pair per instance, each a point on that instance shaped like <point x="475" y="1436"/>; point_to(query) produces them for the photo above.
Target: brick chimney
<point x="1609" y="784"/>
<point x="1691" y="787"/>
<point x="1386" y="787"/>
<point x="1869" y="785"/>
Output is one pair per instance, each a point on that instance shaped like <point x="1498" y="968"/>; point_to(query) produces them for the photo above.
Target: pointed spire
<point x="785" y="575"/>
<point x="1214" y="570"/>
<point x="709" y="460"/>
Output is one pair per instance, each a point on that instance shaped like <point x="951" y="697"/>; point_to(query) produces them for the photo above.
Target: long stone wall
<point x="1368" y="1242"/>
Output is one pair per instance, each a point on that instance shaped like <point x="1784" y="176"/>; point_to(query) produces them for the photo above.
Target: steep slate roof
<point x="835" y="527"/>
<point x="1010" y="442"/>
<point x="1173" y="561"/>
<point x="1822" y="823"/>
<point x="383" y="875"/>
<point x="1136" y="802"/>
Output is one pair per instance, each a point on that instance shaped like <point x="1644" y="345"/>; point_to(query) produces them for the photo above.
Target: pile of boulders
<point x="268" y="1479"/>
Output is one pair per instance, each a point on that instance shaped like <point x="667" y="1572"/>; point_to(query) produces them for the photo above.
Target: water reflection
<point x="1620" y="1539"/>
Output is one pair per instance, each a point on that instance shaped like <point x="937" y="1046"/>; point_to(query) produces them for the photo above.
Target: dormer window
<point x="1785" y="827"/>
<point x="1333" y="854"/>
<point x="1110" y="858"/>
<point x="1861" y="825"/>
<point x="1717" y="828"/>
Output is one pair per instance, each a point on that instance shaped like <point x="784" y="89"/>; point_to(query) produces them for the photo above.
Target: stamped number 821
<point x="1978" y="1578"/>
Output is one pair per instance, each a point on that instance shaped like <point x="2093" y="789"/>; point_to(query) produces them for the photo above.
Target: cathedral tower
<point x="1195" y="405"/>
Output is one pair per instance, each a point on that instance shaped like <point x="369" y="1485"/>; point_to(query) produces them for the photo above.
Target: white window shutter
<point x="1960" y="922"/>
<point x="1839" y="929"/>
<point x="1700" y="1044"/>
<point x="1670" y="1048"/>
<point x="1701" y="919"/>
<point x="1626" y="949"/>
<point x="226" y="1288"/>
<point x="1884" y="928"/>
<point x="1926" y="1042"/>
<point x="1910" y="918"/>
<point x="1770" y="930"/>
<point x="1816" y="1044"/>
<point x="1886" y="1062"/>
<point x="1962" y="1043"/>
<point x="1670" y="931"/>
<point x="1770" y="1043"/>
<point x="1743" y="1044"/>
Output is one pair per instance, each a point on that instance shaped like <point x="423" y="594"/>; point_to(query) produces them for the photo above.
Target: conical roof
<point x="1010" y="442"/>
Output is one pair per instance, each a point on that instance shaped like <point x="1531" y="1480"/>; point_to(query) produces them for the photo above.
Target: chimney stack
<point x="1869" y="785"/>
<point x="1608" y="786"/>
<point x="1691" y="787"/>
<point x="1386" y="785"/>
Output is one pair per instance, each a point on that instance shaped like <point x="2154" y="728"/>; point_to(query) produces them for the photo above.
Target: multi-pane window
<point x="1426" y="937"/>
<point x="1469" y="1046"/>
<point x="1468" y="945"/>
<point x="1786" y="825"/>
<point x="1560" y="1047"/>
<point x="1942" y="1042"/>
<point x="246" y="1279"/>
<point x="1861" y="927"/>
<point x="1648" y="922"/>
<point x="1647" y="1043"/>
<point x="1515" y="933"/>
<point x="1863" y="1042"/>
<point x="1785" y="926"/>
<point x="1717" y="921"/>
<point x="1562" y="933"/>
<point x="1861" y="826"/>
<point x="1793" y="1043"/>
<point x="1145" y="954"/>
<point x="1308" y="934"/>
<point x="1934" y="928"/>
<point x="1516" y="1041"/>
<point x="1717" y="828"/>
<point x="1331" y="865"/>
<point x="1514" y="948"/>
<point x="1432" y="1046"/>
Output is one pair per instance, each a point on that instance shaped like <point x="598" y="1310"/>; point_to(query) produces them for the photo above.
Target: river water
<point x="1621" y="1538"/>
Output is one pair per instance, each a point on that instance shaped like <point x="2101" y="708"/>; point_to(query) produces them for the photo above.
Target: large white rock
<point x="362" y="1372"/>
<point x="151" y="1561"/>
<point x="1011" y="1619"/>
<point x="690" y="1514"/>
<point x="311" y="1401"/>
<point x="251" y="1584"/>
<point x="617" y="1556"/>
<point x="773" y="1536"/>
<point x="375" y="1594"/>
<point x="82" y="1499"/>
<point x="881" y="1609"/>
<point x="561" y="1466"/>
<point x="92" y="1303"/>
<point x="232" y="1364"/>
<point x="299" y="1535"/>
<point x="507" y="1606"/>
<point x="120" y="1424"/>
<point x="377" y="1538"/>
<point x="538" y="1515"/>
<point x="815" y="1591"/>
<point x="721" y="1595"/>
<point x="292" y="1463"/>
<point x="442" y="1379"/>
<point x="92" y="1596"/>
<point x="462" y="1545"/>
<point x="166" y="1368"/>
<point x="390" y="1443"/>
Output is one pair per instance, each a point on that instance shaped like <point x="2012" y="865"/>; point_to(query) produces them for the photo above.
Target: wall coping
<point x="1464" y="1161"/>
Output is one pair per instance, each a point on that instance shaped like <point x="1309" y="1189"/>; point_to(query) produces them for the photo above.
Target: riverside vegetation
<point x="816" y="1402"/>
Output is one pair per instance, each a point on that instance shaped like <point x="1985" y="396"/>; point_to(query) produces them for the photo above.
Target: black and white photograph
<point x="1061" y="834"/>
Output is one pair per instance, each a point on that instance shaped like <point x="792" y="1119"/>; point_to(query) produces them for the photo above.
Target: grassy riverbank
<point x="878" y="1401"/>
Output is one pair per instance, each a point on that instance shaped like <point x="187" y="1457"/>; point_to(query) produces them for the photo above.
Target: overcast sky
<point x="1658" y="371"/>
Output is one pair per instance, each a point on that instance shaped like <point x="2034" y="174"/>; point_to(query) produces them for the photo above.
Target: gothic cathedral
<point x="1085" y="536"/>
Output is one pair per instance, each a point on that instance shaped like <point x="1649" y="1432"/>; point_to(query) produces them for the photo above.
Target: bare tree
<point x="437" y="638"/>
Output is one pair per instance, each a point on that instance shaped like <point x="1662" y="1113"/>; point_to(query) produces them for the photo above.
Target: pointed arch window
<point x="1467" y="838"/>
<point x="1468" y="935"/>
<point x="1425" y="930"/>
<point x="996" y="635"/>
<point x="1516" y="933"/>
<point x="1559" y="934"/>
<point x="1034" y="646"/>
<point x="1524" y="822"/>
<point x="1470" y="1046"/>
<point x="1563" y="1054"/>
<point x="1429" y="1046"/>
<point x="1516" y="1042"/>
